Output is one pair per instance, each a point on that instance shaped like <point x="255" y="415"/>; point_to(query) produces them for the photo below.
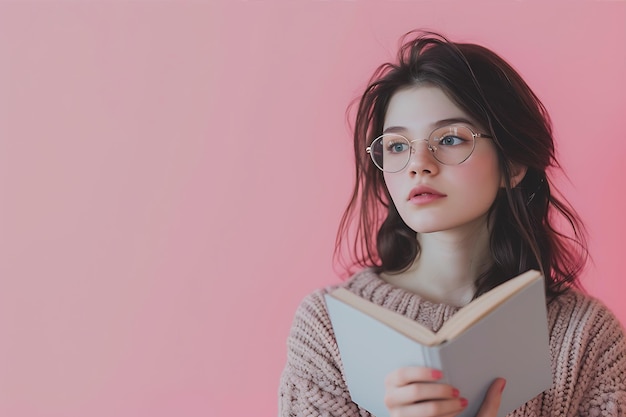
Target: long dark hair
<point x="523" y="233"/>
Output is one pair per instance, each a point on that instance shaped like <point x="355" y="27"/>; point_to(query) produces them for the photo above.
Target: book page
<point x="404" y="325"/>
<point x="485" y="304"/>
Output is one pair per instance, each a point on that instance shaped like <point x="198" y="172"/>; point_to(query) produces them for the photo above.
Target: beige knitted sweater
<point x="587" y="345"/>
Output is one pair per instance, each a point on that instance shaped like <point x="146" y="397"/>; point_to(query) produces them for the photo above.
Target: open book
<point x="502" y="333"/>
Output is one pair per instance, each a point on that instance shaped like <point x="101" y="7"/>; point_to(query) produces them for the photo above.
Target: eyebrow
<point x="437" y="124"/>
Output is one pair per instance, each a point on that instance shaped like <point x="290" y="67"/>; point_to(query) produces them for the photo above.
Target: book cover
<point x="509" y="341"/>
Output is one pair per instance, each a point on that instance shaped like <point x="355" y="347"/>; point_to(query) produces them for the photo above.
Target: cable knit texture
<point x="587" y="346"/>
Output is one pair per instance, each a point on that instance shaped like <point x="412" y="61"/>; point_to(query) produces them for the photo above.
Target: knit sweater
<point x="587" y="347"/>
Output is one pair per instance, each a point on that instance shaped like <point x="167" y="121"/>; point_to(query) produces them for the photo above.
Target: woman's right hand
<point x="414" y="391"/>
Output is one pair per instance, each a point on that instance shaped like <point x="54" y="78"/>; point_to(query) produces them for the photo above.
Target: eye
<point x="451" y="140"/>
<point x="397" y="147"/>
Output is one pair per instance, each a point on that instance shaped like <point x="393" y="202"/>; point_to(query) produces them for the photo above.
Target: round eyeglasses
<point x="450" y="145"/>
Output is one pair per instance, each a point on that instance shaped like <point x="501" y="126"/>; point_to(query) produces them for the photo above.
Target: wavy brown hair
<point x="523" y="234"/>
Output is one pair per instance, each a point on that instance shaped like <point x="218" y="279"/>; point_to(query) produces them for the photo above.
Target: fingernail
<point x="455" y="393"/>
<point x="437" y="374"/>
<point x="503" y="385"/>
<point x="463" y="402"/>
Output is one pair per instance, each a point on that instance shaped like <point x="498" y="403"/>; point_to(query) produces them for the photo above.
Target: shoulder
<point x="583" y="313"/>
<point x="585" y="336"/>
<point x="312" y="308"/>
<point x="357" y="283"/>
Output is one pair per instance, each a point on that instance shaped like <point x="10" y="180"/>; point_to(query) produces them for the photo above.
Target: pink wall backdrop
<point x="172" y="175"/>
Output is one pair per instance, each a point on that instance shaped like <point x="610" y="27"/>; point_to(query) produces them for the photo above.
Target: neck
<point x="447" y="267"/>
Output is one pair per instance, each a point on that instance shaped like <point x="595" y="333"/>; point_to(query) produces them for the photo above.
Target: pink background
<point x="172" y="176"/>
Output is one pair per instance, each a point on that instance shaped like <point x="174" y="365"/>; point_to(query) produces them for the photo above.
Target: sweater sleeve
<point x="312" y="383"/>
<point x="588" y="350"/>
<point x="603" y="368"/>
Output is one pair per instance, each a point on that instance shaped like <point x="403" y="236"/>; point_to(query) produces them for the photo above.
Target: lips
<point x="423" y="191"/>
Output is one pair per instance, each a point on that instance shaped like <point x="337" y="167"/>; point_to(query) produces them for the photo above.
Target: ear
<point x="517" y="175"/>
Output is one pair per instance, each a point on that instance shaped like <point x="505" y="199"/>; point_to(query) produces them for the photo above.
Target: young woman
<point x="451" y="199"/>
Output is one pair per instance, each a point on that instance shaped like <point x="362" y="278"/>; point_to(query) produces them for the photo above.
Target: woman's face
<point x="431" y="197"/>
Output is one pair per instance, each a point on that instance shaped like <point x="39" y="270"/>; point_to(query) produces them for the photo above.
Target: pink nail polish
<point x="437" y="374"/>
<point x="455" y="393"/>
<point x="463" y="402"/>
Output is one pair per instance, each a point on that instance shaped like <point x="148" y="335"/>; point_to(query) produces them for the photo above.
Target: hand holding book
<point x="414" y="391"/>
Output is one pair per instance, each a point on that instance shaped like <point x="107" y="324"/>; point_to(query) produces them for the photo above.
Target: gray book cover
<point x="509" y="342"/>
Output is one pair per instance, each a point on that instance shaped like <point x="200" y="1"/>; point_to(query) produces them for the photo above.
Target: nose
<point x="422" y="161"/>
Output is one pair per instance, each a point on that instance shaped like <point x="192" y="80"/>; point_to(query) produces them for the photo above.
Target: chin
<point x="464" y="228"/>
<point x="426" y="228"/>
